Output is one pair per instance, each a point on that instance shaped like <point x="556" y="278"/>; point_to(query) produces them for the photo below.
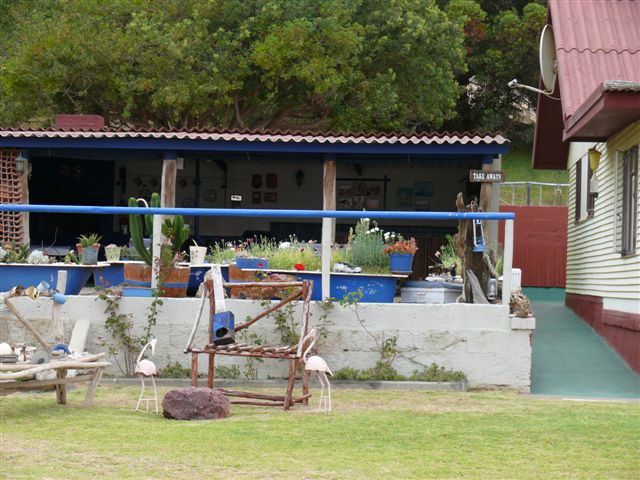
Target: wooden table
<point x="18" y="376"/>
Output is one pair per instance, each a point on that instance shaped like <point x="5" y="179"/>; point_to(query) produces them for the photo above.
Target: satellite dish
<point x="548" y="64"/>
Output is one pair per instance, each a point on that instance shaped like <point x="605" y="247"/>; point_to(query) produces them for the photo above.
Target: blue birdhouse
<point x="223" y="328"/>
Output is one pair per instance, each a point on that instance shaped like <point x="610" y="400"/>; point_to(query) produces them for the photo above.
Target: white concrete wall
<point x="483" y="341"/>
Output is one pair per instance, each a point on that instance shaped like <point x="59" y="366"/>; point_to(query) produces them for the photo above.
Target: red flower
<point x="260" y="265"/>
<point x="299" y="267"/>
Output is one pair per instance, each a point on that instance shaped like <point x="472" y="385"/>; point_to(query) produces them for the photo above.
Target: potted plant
<point x="112" y="252"/>
<point x="400" y="253"/>
<point x="88" y="248"/>
<point x="173" y="279"/>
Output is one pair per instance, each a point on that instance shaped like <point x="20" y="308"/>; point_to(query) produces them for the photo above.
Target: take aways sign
<point x="485" y="176"/>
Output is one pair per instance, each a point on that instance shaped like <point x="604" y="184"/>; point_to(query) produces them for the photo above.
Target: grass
<point x="390" y="434"/>
<point x="516" y="166"/>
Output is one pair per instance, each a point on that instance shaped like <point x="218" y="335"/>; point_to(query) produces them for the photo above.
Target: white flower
<point x="3" y="253"/>
<point x="284" y="245"/>
<point x="364" y="219"/>
<point x="386" y="234"/>
<point x="376" y="229"/>
<point x="368" y="232"/>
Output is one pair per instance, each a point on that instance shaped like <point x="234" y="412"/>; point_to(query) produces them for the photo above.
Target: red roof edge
<point x="75" y="121"/>
<point x="550" y="152"/>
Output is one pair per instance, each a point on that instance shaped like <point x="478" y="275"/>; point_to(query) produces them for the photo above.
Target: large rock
<point x="195" y="404"/>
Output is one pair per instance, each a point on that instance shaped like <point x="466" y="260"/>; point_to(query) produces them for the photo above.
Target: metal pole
<point x="528" y="194"/>
<point x="508" y="261"/>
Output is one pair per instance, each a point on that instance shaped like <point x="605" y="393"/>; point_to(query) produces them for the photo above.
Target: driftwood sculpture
<point x="477" y="267"/>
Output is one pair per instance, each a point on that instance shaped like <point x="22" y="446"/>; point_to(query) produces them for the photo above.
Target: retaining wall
<point x="489" y="346"/>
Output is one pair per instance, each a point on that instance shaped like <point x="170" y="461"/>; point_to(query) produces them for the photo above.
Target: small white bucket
<point x="196" y="255"/>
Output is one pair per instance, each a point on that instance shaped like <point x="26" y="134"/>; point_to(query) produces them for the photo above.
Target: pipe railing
<point x="507" y="217"/>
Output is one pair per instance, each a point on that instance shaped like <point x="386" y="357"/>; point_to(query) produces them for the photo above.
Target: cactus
<point x="174" y="230"/>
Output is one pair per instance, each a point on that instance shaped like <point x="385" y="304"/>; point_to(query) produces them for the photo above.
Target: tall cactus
<point x="174" y="230"/>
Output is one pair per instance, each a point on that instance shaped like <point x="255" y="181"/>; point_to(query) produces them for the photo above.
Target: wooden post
<point x="212" y="370"/>
<point x="328" y="224"/>
<point x="494" y="205"/>
<point x="91" y="389"/>
<point x="61" y="387"/>
<point x="288" y="398"/>
<point x="168" y="200"/>
<point x="508" y="261"/>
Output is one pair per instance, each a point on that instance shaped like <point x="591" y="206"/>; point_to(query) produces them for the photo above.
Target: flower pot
<point x="174" y="281"/>
<point x="112" y="253"/>
<point x="252" y="263"/>
<point x="89" y="255"/>
<point x="196" y="255"/>
<point x="400" y="262"/>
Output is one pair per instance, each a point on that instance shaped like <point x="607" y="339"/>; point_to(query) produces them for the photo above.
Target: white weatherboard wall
<point x="483" y="341"/>
<point x="594" y="264"/>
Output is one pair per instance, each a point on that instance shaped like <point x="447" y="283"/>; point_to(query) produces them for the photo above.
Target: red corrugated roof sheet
<point x="249" y="136"/>
<point x="596" y="40"/>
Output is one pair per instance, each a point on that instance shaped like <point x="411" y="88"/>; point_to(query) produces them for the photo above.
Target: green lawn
<point x="516" y="166"/>
<point x="390" y="434"/>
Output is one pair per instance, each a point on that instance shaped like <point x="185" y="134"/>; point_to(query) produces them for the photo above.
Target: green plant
<point x="175" y="232"/>
<point x="435" y="373"/>
<point x="251" y="365"/>
<point x="221" y="253"/>
<point x="174" y="370"/>
<point x="71" y="257"/>
<point x="231" y="371"/>
<point x="366" y="244"/>
<point x="10" y="252"/>
<point x="124" y="344"/>
<point x="90" y="240"/>
<point x="446" y="257"/>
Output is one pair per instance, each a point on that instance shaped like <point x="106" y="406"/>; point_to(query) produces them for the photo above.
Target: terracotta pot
<point x="174" y="281"/>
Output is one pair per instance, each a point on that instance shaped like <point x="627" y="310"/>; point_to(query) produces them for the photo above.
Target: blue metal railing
<point x="247" y="212"/>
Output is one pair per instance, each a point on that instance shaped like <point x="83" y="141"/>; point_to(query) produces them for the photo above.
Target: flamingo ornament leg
<point x="317" y="364"/>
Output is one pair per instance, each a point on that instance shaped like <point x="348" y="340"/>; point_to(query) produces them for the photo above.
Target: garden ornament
<point x="44" y="288"/>
<point x="146" y="368"/>
<point x="317" y="364"/>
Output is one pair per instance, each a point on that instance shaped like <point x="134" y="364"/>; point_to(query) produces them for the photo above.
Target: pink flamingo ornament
<point x="317" y="364"/>
<point x="146" y="368"/>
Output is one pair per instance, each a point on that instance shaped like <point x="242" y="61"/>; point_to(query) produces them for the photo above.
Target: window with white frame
<point x="626" y="201"/>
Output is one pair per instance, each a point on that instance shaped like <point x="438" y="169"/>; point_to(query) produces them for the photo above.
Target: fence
<point x="533" y="193"/>
<point x="325" y="215"/>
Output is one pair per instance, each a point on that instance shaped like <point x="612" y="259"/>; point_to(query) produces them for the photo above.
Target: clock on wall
<point x="210" y="195"/>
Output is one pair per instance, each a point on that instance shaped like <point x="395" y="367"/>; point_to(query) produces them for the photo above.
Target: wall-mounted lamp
<point x="22" y="163"/>
<point x="594" y="161"/>
<point x="299" y="178"/>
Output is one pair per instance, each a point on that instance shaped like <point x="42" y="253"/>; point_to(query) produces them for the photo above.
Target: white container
<point x="414" y="293"/>
<point x="196" y="255"/>
<point x="516" y="279"/>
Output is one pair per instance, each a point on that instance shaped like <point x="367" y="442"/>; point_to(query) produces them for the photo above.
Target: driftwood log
<point x="475" y="286"/>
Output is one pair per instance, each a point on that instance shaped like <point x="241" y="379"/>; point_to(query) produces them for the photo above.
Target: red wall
<point x="540" y="244"/>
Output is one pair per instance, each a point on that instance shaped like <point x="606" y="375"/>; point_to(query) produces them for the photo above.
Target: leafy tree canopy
<point x="331" y="64"/>
<point x="277" y="64"/>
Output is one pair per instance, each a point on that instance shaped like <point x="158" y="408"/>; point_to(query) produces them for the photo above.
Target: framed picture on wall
<point x="256" y="197"/>
<point x="270" y="197"/>
<point x="404" y="197"/>
<point x="423" y="189"/>
<point x="423" y="204"/>
<point x="360" y="194"/>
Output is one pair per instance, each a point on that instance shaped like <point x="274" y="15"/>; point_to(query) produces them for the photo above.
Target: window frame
<point x="629" y="204"/>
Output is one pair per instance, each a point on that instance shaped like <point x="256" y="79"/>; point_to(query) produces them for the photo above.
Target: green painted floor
<point x="570" y="358"/>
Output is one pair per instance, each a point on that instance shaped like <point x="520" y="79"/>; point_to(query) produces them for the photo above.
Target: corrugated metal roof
<point x="443" y="138"/>
<point x="596" y="41"/>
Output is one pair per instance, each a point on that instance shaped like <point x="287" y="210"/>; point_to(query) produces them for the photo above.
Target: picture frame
<point x="270" y="197"/>
<point x="423" y="189"/>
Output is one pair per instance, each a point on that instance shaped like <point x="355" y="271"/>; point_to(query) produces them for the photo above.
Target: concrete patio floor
<point x="570" y="358"/>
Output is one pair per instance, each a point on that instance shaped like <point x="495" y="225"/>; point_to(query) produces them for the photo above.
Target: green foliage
<point x="382" y="371"/>
<point x="11" y="252"/>
<point x="251" y="363"/>
<point x="446" y="256"/>
<point x="90" y="240"/>
<point x="366" y="244"/>
<point x="278" y="64"/>
<point x="124" y="344"/>
<point x="174" y="370"/>
<point x="231" y="371"/>
<point x="176" y="232"/>
<point x="221" y="254"/>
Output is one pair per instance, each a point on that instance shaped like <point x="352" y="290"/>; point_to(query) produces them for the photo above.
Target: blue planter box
<point x="251" y="262"/>
<point x="25" y="274"/>
<point x="374" y="288"/>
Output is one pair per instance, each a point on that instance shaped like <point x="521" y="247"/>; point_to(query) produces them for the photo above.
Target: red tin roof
<point x="443" y="138"/>
<point x="598" y="55"/>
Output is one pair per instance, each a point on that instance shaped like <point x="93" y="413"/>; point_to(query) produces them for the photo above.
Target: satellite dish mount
<point x="548" y="64"/>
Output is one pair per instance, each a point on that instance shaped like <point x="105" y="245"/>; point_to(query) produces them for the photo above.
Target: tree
<point x="274" y="64"/>
<point x="501" y="45"/>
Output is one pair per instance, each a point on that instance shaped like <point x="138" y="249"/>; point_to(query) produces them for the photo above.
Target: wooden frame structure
<point x="290" y="291"/>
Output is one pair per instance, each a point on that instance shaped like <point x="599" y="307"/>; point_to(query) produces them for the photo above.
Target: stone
<point x="195" y="404"/>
